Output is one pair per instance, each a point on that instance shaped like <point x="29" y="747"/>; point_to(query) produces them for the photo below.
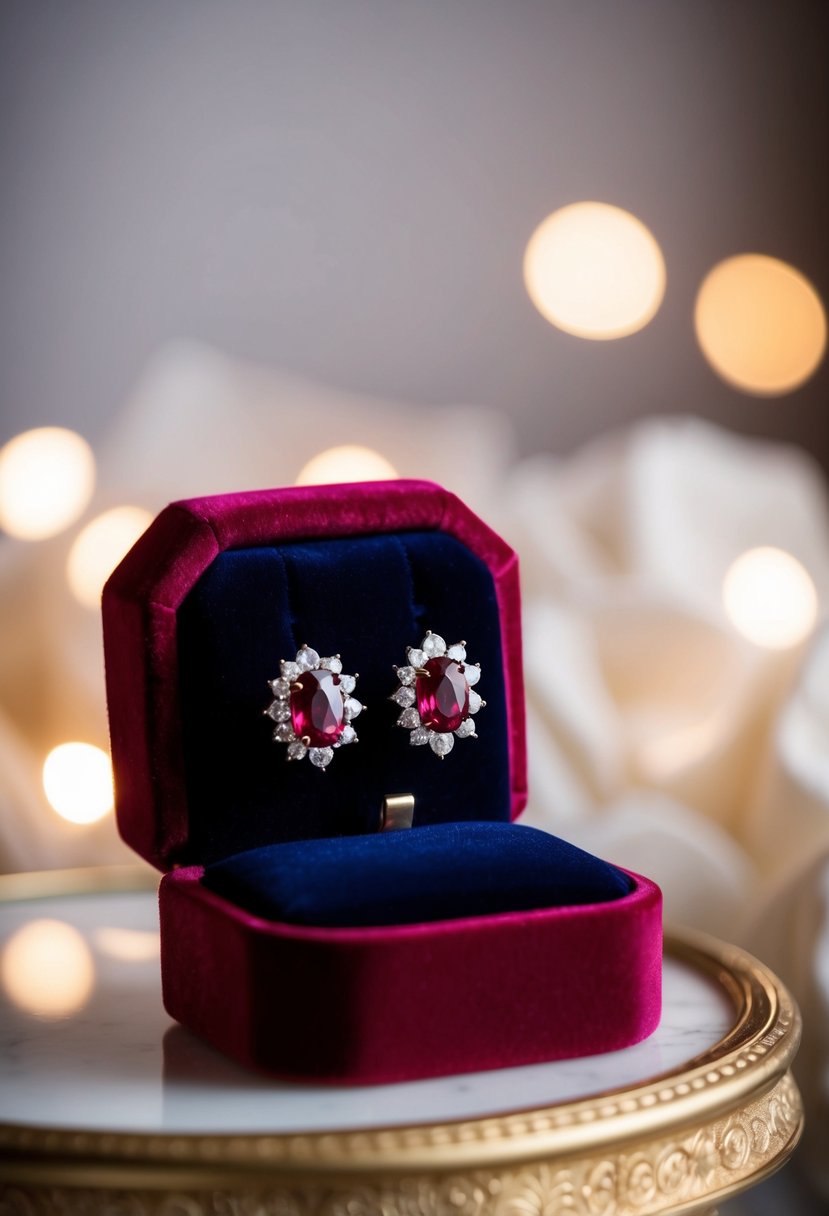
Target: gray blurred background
<point x="345" y="188"/>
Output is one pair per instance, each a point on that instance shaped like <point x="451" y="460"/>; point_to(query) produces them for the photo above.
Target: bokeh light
<point x="77" y="780"/>
<point x="595" y="271"/>
<point x="47" y="969"/>
<point x="127" y="945"/>
<point x="46" y="480"/>
<point x="770" y="598"/>
<point x="760" y="324"/>
<point x="98" y="549"/>
<point x="350" y="462"/>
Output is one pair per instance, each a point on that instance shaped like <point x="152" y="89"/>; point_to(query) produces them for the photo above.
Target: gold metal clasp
<point x="397" y="812"/>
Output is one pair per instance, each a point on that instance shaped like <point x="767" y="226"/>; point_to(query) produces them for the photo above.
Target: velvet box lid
<point x="179" y="686"/>
<point x="196" y="620"/>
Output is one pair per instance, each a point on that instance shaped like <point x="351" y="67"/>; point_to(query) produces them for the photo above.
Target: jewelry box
<point x="299" y="935"/>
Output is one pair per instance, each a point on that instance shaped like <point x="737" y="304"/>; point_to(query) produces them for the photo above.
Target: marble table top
<point x="85" y="1042"/>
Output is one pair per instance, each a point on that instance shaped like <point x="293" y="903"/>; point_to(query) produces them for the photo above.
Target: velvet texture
<point x="141" y="603"/>
<point x="372" y="1005"/>
<point x="364" y="597"/>
<point x="434" y="873"/>
<point x="196" y="619"/>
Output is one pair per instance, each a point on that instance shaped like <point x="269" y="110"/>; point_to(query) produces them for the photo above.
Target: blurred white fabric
<point x="660" y="737"/>
<point x="653" y="718"/>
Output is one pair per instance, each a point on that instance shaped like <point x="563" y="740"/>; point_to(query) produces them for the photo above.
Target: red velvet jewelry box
<point x="196" y="620"/>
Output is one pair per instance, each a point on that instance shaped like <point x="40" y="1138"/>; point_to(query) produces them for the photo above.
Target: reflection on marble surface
<point x="47" y="969"/>
<point x="120" y="1063"/>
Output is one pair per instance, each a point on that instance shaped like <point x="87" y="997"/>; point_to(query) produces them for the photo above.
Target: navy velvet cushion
<point x="424" y="874"/>
<point x="367" y="598"/>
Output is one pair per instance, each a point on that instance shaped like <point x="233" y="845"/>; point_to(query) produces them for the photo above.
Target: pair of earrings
<point x="314" y="707"/>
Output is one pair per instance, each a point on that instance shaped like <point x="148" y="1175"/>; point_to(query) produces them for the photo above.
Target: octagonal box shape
<point x="346" y="1005"/>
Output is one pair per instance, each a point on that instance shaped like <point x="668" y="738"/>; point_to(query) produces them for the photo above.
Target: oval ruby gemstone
<point x="442" y="695"/>
<point x="317" y="708"/>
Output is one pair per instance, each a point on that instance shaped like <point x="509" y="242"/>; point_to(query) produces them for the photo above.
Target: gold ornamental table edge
<point x="674" y="1143"/>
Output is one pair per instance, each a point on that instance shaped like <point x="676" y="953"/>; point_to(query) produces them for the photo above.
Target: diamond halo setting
<point x="436" y="694"/>
<point x="312" y="709"/>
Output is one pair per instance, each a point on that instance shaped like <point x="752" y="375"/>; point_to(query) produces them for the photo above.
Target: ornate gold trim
<point x="673" y="1143"/>
<point x="679" y="1173"/>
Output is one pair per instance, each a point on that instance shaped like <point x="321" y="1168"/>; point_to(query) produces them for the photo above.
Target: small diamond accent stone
<point x="404" y="696"/>
<point x="457" y="652"/>
<point x="472" y="671"/>
<point x="349" y="735"/>
<point x="475" y="701"/>
<point x="284" y="732"/>
<point x="321" y="757"/>
<point x="280" y="711"/>
<point x="280" y="687"/>
<point x="409" y="718"/>
<point x="352" y="708"/>
<point x="290" y="670"/>
<point x="332" y="663"/>
<point x="433" y="646"/>
<point x="441" y="745"/>
<point x="465" y="729"/>
<point x="416" y="657"/>
<point x="406" y="675"/>
<point x="419" y="736"/>
<point x="307" y="659"/>
<point x="296" y="750"/>
<point x="348" y="684"/>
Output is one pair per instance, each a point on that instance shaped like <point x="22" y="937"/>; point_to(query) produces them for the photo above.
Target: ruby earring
<point x="313" y="707"/>
<point x="436" y="694"/>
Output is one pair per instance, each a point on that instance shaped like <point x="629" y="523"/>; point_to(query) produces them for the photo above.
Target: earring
<point x="436" y="694"/>
<point x="313" y="707"/>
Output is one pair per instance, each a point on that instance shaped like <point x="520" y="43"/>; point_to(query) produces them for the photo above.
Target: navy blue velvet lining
<point x="433" y="873"/>
<point x="366" y="598"/>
